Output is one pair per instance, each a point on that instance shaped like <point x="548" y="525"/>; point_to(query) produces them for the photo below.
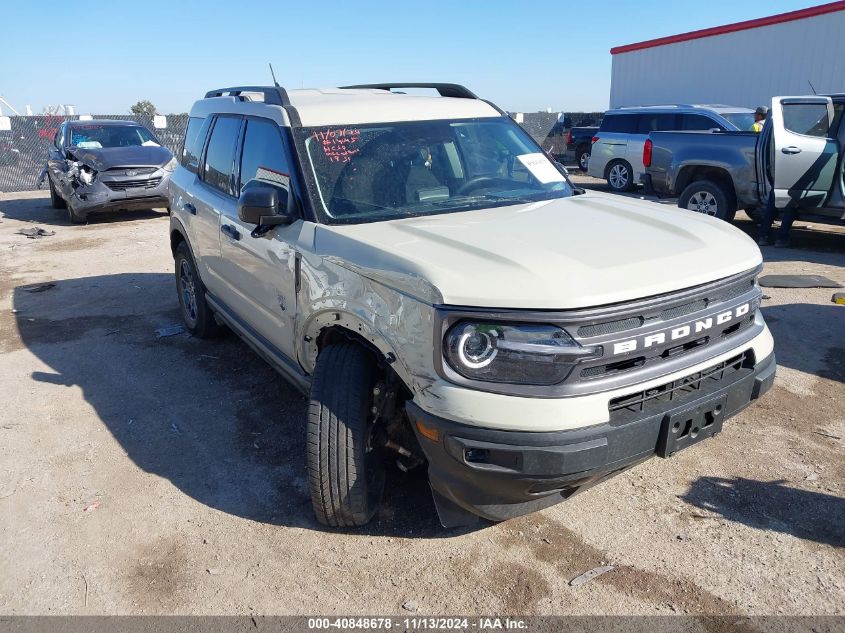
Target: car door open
<point x="803" y="153"/>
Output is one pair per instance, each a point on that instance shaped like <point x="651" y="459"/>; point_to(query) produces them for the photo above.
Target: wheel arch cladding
<point x="177" y="236"/>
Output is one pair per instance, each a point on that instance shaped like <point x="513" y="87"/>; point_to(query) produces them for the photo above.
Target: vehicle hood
<point x="588" y="250"/>
<point x="137" y="156"/>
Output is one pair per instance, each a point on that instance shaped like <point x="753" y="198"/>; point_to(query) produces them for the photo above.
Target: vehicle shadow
<point x="807" y="339"/>
<point x="209" y="416"/>
<point x="39" y="211"/>
<point x="771" y="505"/>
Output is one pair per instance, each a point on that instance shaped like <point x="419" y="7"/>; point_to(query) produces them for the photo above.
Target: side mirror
<point x="259" y="205"/>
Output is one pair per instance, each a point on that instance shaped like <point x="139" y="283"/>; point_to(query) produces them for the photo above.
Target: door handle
<point x="230" y="231"/>
<point x="190" y="208"/>
<point x="791" y="150"/>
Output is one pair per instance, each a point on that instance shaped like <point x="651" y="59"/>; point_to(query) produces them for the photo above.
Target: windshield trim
<point x="317" y="203"/>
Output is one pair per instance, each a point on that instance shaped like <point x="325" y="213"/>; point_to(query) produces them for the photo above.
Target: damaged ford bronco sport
<point x="450" y="301"/>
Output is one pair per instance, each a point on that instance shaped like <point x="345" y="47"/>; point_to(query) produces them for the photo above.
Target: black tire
<point x="710" y="198"/>
<point x="582" y="155"/>
<point x="346" y="476"/>
<point x="196" y="313"/>
<point x="74" y="217"/>
<point x="56" y="201"/>
<point x="620" y="176"/>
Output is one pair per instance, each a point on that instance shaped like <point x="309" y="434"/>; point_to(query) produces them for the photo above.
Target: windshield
<point x="100" y="136"/>
<point x="742" y="120"/>
<point x="369" y="173"/>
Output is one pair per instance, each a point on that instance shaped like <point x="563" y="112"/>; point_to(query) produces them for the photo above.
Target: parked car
<point x="799" y="152"/>
<point x="103" y="165"/>
<point x="617" y="148"/>
<point x="447" y="299"/>
<point x="579" y="142"/>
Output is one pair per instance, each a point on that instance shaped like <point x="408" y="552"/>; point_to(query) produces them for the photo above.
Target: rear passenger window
<point x="264" y="159"/>
<point x="220" y="156"/>
<point x="195" y="135"/>
<point x="657" y="122"/>
<point x="809" y="119"/>
<point x="698" y="122"/>
<point x="619" y="123"/>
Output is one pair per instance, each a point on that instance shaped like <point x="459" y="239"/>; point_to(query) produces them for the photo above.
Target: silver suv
<point x="617" y="149"/>
<point x="448" y="300"/>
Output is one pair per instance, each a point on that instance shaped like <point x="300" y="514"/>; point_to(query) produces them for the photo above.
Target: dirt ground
<point x="147" y="475"/>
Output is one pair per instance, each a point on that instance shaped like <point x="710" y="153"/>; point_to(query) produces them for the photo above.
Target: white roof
<point x="337" y="106"/>
<point x="329" y="106"/>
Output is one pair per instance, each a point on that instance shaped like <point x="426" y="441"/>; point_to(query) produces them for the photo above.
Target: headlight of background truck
<point x="519" y="354"/>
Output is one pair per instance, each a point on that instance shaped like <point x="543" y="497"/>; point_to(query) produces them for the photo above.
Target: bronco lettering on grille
<point x="682" y="331"/>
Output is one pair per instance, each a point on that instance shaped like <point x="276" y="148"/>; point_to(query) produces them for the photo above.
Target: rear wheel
<point x="56" y="201"/>
<point x="620" y="176"/>
<point x="196" y="313"/>
<point x="346" y="472"/>
<point x="709" y="198"/>
<point x="583" y="155"/>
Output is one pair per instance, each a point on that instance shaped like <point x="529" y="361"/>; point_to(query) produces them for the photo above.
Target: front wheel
<point x="56" y="201"/>
<point x="707" y="197"/>
<point x="620" y="176"/>
<point x="74" y="216"/>
<point x="345" y="471"/>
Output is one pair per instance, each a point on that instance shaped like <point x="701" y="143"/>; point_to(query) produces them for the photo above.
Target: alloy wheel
<point x="188" y="291"/>
<point x="703" y="202"/>
<point x="618" y="176"/>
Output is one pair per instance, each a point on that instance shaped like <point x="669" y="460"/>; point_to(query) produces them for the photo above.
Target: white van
<point x="617" y="150"/>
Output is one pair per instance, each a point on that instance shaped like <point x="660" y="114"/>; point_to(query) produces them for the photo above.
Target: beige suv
<point x="419" y="267"/>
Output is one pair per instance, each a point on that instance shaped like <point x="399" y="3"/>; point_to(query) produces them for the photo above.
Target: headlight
<point x="171" y="164"/>
<point x="86" y="175"/>
<point x="521" y="354"/>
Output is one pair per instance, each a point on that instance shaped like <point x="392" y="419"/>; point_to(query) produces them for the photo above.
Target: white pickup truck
<point x="448" y="300"/>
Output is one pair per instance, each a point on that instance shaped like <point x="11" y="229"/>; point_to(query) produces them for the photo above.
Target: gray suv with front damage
<point x="103" y="165"/>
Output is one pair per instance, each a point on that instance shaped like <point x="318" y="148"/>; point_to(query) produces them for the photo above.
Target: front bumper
<point x="100" y="196"/>
<point x="500" y="474"/>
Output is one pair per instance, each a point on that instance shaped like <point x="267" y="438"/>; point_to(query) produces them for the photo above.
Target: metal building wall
<point x="743" y="68"/>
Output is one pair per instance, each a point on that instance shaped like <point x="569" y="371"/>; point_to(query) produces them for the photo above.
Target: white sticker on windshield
<point x="541" y="167"/>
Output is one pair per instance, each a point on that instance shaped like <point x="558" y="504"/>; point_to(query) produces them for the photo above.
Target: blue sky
<point x="525" y="56"/>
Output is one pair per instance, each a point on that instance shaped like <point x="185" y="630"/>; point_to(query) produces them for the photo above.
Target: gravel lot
<point x="146" y="475"/>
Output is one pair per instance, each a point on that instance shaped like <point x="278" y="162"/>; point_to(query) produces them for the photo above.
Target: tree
<point x="144" y="107"/>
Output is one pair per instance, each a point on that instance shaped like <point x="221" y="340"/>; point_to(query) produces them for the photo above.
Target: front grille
<point x="130" y="171"/>
<point x="610" y="327"/>
<point x="683" y="310"/>
<point x="655" y="399"/>
<point x="658" y="316"/>
<point x="123" y="185"/>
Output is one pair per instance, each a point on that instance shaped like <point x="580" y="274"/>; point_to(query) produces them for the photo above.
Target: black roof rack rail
<point x="273" y="95"/>
<point x="444" y="90"/>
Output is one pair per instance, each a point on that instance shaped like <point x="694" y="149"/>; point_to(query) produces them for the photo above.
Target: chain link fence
<point x="25" y="141"/>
